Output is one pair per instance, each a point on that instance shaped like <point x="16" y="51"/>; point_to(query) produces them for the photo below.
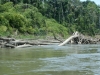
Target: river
<point x="51" y="60"/>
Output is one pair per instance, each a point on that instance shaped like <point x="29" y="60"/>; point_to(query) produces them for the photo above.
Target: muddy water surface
<point x="51" y="60"/>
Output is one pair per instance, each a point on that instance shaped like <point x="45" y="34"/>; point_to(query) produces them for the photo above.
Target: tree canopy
<point x="41" y="17"/>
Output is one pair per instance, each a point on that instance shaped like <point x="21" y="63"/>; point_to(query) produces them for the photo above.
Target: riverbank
<point x="29" y="40"/>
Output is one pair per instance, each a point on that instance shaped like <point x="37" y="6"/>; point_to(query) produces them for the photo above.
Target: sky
<point x="96" y="1"/>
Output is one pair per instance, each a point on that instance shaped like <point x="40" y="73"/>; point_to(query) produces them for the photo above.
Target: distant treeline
<point x="42" y="17"/>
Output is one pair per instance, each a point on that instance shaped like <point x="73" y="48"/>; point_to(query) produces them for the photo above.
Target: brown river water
<point x="51" y="60"/>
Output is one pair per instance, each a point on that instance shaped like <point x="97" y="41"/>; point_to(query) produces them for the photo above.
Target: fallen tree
<point x="78" y="38"/>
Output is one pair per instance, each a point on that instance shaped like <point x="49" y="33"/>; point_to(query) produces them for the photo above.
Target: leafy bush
<point x="3" y="29"/>
<point x="56" y="28"/>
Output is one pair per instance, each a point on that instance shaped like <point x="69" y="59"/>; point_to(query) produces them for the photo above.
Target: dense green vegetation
<point x="42" y="17"/>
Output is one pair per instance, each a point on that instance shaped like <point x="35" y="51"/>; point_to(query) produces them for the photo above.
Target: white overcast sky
<point x="96" y="1"/>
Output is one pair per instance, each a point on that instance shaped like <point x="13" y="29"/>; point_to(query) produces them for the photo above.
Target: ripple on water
<point x="79" y="62"/>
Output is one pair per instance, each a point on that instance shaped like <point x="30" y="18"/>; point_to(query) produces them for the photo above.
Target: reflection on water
<point x="51" y="60"/>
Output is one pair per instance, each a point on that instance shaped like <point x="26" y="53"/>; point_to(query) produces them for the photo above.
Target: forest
<point x="43" y="17"/>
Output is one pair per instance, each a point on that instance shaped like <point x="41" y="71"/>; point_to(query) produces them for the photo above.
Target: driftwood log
<point x="13" y="43"/>
<point x="78" y="38"/>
